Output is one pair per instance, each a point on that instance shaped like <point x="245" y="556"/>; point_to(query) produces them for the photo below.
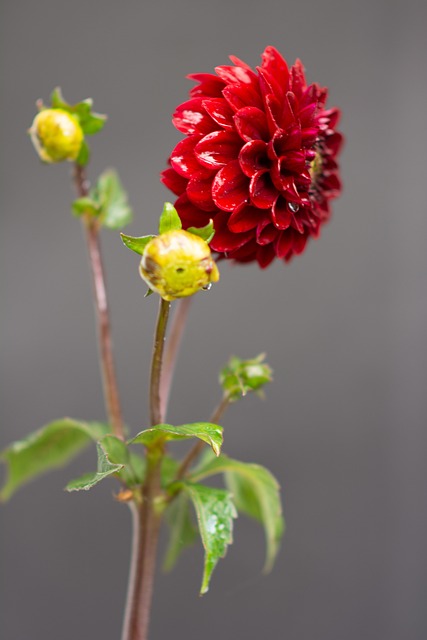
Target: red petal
<point x="273" y="62"/>
<point x="219" y="110"/>
<point x="298" y="78"/>
<point x="251" y="123"/>
<point x="266" y="233"/>
<point x="232" y="75"/>
<point x="334" y="142"/>
<point x="307" y="114"/>
<point x="218" y="149"/>
<point x="253" y="157"/>
<point x="224" y="239"/>
<point x="296" y="223"/>
<point x="183" y="159"/>
<point x="190" y="215"/>
<point x="241" y="95"/>
<point x="199" y="191"/>
<point x="210" y="86"/>
<point x="284" y="244"/>
<point x="300" y="241"/>
<point x="230" y="187"/>
<point x="265" y="255"/>
<point x="246" y="253"/>
<point x="280" y="214"/>
<point x="190" y="117"/>
<point x="173" y="181"/>
<point x="244" y="218"/>
<point x="262" y="191"/>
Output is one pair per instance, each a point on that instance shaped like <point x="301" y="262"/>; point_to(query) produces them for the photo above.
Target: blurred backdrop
<point x="344" y="326"/>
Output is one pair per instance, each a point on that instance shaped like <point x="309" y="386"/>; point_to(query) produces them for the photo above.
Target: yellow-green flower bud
<point x="56" y="135"/>
<point x="177" y="264"/>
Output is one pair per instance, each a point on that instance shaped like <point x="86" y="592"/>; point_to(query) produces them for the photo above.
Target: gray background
<point x="344" y="326"/>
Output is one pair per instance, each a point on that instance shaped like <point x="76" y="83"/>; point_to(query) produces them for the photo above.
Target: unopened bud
<point x="177" y="264"/>
<point x="56" y="135"/>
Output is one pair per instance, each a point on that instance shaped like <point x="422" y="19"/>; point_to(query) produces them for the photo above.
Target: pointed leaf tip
<point x="169" y="219"/>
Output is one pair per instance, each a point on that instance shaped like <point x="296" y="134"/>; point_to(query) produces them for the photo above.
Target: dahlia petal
<point x="245" y="218"/>
<point x="331" y="116"/>
<point x="230" y="187"/>
<point x="251" y="124"/>
<point x="190" y="215"/>
<point x="199" y="191"/>
<point x="232" y="75"/>
<point x="334" y="142"/>
<point x="239" y="63"/>
<point x="280" y="214"/>
<point x="331" y="183"/>
<point x="225" y="240"/>
<point x="253" y="157"/>
<point x="299" y="243"/>
<point x="183" y="159"/>
<point x="173" y="181"/>
<point x="306" y="115"/>
<point x="210" y="86"/>
<point x="220" y="112"/>
<point x="262" y="190"/>
<point x="283" y="244"/>
<point x="266" y="233"/>
<point x="276" y="66"/>
<point x="309" y="136"/>
<point x="265" y="255"/>
<point x="218" y="149"/>
<point x="241" y="95"/>
<point x="296" y="223"/>
<point x="270" y="85"/>
<point x="246" y="253"/>
<point x="298" y="77"/>
<point x="190" y="117"/>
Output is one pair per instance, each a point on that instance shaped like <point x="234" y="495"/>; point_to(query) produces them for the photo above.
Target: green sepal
<point x="158" y="435"/>
<point x="106" y="468"/>
<point x="90" y="121"/>
<point x="256" y="493"/>
<point x="206" y="233"/>
<point x="85" y="206"/>
<point x="50" y="447"/>
<point x="215" y="512"/>
<point x="241" y="376"/>
<point x="136" y="244"/>
<point x="182" y="534"/>
<point x="169" y="219"/>
<point x="84" y="154"/>
<point x="114" y="209"/>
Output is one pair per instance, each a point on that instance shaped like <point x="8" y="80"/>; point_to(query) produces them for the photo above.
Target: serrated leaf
<point x="215" y="512"/>
<point x="115" y="211"/>
<point x="206" y="431"/>
<point x="182" y="530"/>
<point x="206" y="233"/>
<point x="105" y="469"/>
<point x="256" y="493"/>
<point x="169" y="219"/>
<point x="136" y="244"/>
<point x="50" y="447"/>
<point x="83" y="206"/>
<point x="84" y="154"/>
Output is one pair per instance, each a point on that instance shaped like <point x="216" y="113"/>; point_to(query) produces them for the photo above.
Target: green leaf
<point x="256" y="493"/>
<point x="105" y="469"/>
<point x="85" y="206"/>
<point x="90" y="121"/>
<point x="52" y="446"/>
<point x="115" y="211"/>
<point x="182" y="531"/>
<point x="84" y="154"/>
<point x="206" y="431"/>
<point x="169" y="219"/>
<point x="136" y="244"/>
<point x="57" y="100"/>
<point x="241" y="376"/>
<point x="215" y="512"/>
<point x="206" y="233"/>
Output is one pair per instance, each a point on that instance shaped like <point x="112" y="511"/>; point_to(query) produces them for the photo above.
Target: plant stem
<point x="146" y="518"/>
<point x="196" y="450"/>
<point x="111" y="393"/>
<point x="179" y="322"/>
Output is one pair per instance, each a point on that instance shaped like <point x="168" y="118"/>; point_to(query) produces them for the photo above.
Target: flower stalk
<point x="111" y="393"/>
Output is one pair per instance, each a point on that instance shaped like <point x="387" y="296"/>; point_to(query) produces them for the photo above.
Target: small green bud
<point x="56" y="135"/>
<point x="177" y="264"/>
<point x="241" y="376"/>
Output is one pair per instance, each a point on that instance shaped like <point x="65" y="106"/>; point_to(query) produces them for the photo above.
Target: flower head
<point x="259" y="158"/>
<point x="177" y="264"/>
<point x="56" y="135"/>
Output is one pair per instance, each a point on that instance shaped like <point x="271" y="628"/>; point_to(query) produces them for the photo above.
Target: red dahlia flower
<point x="259" y="158"/>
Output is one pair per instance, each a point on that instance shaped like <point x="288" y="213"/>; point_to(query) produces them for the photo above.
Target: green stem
<point x="146" y="517"/>
<point x="111" y="393"/>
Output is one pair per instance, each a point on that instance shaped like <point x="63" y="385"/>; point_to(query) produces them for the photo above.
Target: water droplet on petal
<point x="293" y="206"/>
<point x="207" y="287"/>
